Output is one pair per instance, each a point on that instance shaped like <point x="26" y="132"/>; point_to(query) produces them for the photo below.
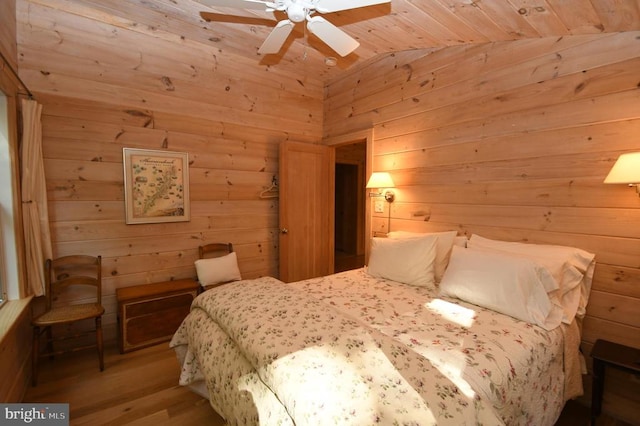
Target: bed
<point x="385" y="345"/>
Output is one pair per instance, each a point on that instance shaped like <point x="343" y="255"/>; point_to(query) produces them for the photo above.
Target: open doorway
<point x="349" y="207"/>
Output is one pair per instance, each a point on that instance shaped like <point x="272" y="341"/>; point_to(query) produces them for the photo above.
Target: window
<point x="3" y="281"/>
<point x="8" y="255"/>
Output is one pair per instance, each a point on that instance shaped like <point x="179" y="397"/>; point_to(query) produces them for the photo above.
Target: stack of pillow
<point x="542" y="284"/>
<point x="411" y="258"/>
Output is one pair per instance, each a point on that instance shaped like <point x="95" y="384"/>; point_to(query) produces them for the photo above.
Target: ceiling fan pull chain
<point x="306" y="43"/>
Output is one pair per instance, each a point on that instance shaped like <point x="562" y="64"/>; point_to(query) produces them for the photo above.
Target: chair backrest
<point x="63" y="273"/>
<point x="214" y="250"/>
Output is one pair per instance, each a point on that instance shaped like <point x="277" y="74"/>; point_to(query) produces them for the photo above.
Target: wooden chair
<point x="214" y="250"/>
<point x="80" y="274"/>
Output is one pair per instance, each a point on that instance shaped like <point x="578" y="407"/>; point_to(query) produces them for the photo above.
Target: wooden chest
<point x="151" y="313"/>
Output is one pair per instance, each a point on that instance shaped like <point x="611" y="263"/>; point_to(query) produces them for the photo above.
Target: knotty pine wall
<point x="512" y="141"/>
<point x="8" y="45"/>
<point x="509" y="140"/>
<point x="124" y="83"/>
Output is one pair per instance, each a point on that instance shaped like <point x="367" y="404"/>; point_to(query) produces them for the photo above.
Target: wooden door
<point x="306" y="211"/>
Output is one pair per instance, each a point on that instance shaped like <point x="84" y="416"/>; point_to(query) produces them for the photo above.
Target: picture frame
<point x="156" y="186"/>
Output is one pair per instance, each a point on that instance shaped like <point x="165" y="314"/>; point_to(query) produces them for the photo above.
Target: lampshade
<point x="625" y="170"/>
<point x="380" y="180"/>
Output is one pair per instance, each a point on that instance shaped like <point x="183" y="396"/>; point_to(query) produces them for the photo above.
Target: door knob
<point x="284" y="231"/>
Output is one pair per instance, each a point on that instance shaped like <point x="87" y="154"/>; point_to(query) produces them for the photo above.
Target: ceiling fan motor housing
<point x="297" y="12"/>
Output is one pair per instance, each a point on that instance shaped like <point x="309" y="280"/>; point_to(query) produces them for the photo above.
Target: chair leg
<point x="99" y="342"/>
<point x="50" y="342"/>
<point x="34" y="356"/>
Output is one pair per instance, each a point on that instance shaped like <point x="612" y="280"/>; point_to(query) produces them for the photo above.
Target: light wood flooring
<point x="137" y="388"/>
<point x="141" y="388"/>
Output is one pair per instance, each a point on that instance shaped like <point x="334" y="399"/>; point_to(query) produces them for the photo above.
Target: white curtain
<point x="35" y="213"/>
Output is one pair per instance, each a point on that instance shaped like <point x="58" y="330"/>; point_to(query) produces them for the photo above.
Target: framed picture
<point x="156" y="186"/>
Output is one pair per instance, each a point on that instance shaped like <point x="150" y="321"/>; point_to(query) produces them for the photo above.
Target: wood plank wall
<point x="512" y="141"/>
<point x="111" y="83"/>
<point x="8" y="45"/>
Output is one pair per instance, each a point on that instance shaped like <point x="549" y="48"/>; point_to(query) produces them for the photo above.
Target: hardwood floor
<point x="575" y="414"/>
<point x="141" y="388"/>
<point x="137" y="388"/>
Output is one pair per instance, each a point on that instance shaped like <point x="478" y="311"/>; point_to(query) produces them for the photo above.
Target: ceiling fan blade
<point x="328" y="6"/>
<point x="232" y="19"/>
<point x="333" y="36"/>
<point x="277" y="37"/>
<point x="241" y="4"/>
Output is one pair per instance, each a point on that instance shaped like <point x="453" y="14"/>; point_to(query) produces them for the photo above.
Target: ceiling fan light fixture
<point x="296" y="12"/>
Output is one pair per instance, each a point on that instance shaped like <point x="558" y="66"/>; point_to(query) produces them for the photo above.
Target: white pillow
<point x="460" y="241"/>
<point x="511" y="285"/>
<point x="443" y="247"/>
<point x="408" y="261"/>
<point x="571" y="267"/>
<point x="218" y="270"/>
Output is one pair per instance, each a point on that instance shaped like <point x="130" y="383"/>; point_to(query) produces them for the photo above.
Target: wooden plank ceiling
<point x="400" y="25"/>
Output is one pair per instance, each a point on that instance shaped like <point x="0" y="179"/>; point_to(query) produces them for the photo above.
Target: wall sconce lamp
<point x="626" y="170"/>
<point x="381" y="180"/>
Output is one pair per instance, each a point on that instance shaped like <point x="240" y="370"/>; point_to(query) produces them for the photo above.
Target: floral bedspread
<point x="352" y="349"/>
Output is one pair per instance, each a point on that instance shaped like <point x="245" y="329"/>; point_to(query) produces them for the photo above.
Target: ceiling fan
<point x="298" y="11"/>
